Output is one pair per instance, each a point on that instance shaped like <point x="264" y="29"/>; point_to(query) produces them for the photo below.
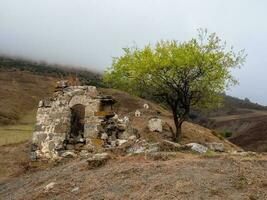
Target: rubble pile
<point x="115" y="131"/>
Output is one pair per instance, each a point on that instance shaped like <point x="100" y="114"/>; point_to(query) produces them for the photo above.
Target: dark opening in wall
<point x="77" y="122"/>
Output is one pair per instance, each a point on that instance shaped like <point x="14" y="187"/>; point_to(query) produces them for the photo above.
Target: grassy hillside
<point x="20" y="92"/>
<point x="41" y="68"/>
<point x="23" y="83"/>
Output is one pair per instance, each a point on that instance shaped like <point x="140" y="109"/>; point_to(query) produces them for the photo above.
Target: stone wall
<point x="53" y="121"/>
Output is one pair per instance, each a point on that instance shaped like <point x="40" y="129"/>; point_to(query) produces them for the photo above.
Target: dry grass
<point x="12" y="134"/>
<point x="20" y="93"/>
<point x="20" y="132"/>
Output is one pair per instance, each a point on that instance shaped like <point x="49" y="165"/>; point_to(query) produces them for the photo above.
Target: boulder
<point x="166" y="145"/>
<point x="197" y="147"/>
<point x="155" y="125"/>
<point x="214" y="146"/>
<point x="68" y="154"/>
<point x="146" y="106"/>
<point x="98" y="160"/>
<point x="104" y="136"/>
<point x="137" y="113"/>
<point x="49" y="186"/>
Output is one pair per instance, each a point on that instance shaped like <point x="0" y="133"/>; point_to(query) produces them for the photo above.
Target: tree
<point x="183" y="75"/>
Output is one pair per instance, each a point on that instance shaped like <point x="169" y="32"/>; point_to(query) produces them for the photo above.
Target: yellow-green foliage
<point x="195" y="71"/>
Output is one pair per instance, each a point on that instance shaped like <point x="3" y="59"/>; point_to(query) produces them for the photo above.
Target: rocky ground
<point x="176" y="173"/>
<point x="145" y="176"/>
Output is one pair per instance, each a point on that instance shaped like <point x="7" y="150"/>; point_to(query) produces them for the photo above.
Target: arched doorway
<point x="77" y="122"/>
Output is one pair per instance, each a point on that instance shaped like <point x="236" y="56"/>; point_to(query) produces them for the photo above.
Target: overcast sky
<point x="90" y="32"/>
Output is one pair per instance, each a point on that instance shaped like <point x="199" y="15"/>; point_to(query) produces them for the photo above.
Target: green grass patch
<point x="12" y="134"/>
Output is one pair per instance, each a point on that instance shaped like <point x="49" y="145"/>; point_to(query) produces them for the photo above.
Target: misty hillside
<point x="23" y="83"/>
<point x="41" y="68"/>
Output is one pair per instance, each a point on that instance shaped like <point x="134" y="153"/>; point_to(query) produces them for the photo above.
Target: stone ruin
<point x="77" y="118"/>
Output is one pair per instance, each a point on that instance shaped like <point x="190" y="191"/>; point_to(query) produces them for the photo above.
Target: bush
<point x="227" y="134"/>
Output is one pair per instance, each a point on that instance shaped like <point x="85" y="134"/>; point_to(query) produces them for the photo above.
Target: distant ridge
<point x="42" y="68"/>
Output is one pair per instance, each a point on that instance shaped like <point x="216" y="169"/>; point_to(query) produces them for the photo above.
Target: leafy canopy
<point x="190" y="73"/>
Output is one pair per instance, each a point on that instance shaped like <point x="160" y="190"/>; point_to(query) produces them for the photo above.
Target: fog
<point x="89" y="33"/>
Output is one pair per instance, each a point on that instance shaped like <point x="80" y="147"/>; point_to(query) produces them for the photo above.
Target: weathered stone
<point x="33" y="156"/>
<point x="54" y="120"/>
<point x="69" y="154"/>
<point x="76" y="189"/>
<point x="98" y="160"/>
<point x="49" y="186"/>
<point x="214" y="146"/>
<point x="146" y="106"/>
<point x="104" y="136"/>
<point x="137" y="113"/>
<point x="132" y="137"/>
<point x="120" y="142"/>
<point x="197" y="147"/>
<point x="78" y="118"/>
<point x="70" y="147"/>
<point x="155" y="125"/>
<point x="166" y="145"/>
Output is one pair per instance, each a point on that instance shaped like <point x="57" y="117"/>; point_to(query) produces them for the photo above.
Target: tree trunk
<point x="178" y="133"/>
<point x="178" y="126"/>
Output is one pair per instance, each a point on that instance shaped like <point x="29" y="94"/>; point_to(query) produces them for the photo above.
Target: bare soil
<point x="184" y="176"/>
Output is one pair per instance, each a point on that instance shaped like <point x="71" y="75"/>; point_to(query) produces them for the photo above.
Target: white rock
<point x="104" y="136"/>
<point x="146" y="106"/>
<point x="113" y="143"/>
<point x="101" y="156"/>
<point x="214" y="146"/>
<point x="197" y="147"/>
<point x="49" y="186"/>
<point x="76" y="189"/>
<point x="132" y="137"/>
<point x="124" y="120"/>
<point x="155" y="125"/>
<point x="137" y="113"/>
<point x="69" y="154"/>
<point x="116" y="116"/>
<point x="120" y="142"/>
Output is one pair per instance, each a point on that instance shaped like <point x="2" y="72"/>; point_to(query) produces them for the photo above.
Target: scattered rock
<point x="137" y="113"/>
<point x="146" y="106"/>
<point x="49" y="186"/>
<point x="133" y="137"/>
<point x="104" y="136"/>
<point x="76" y="189"/>
<point x="98" y="160"/>
<point x="120" y="142"/>
<point x="155" y="125"/>
<point x="197" y="147"/>
<point x="214" y="146"/>
<point x="33" y="156"/>
<point x="137" y="148"/>
<point x="68" y="154"/>
<point x="166" y="145"/>
<point x="142" y="146"/>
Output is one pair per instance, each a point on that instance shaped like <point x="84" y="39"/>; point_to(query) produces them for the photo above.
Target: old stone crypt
<point x="72" y="116"/>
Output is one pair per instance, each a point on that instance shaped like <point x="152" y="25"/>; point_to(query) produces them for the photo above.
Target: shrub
<point x="227" y="134"/>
